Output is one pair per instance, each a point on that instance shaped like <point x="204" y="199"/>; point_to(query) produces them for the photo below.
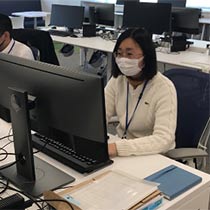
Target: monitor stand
<point x="30" y="174"/>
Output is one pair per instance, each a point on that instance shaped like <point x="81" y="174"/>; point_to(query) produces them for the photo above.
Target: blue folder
<point x="174" y="181"/>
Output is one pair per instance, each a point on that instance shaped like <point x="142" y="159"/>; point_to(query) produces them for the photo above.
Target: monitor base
<point x="47" y="178"/>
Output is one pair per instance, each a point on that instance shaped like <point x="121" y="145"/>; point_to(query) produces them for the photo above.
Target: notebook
<point x="174" y="181"/>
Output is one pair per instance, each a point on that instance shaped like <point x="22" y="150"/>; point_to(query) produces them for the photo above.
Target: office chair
<point x="37" y="39"/>
<point x="193" y="118"/>
<point x="17" y="21"/>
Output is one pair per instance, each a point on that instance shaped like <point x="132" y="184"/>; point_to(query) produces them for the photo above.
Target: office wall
<point x="198" y="3"/>
<point x="46" y="4"/>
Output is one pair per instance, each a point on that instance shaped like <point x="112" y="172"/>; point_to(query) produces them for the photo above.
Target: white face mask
<point x="129" y="67"/>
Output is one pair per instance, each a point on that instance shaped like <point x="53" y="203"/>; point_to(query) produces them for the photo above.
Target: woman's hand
<point x="112" y="150"/>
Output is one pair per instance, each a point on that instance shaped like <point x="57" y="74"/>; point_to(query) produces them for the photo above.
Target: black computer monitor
<point x="62" y="104"/>
<point x="186" y="20"/>
<point x="99" y="13"/>
<point x="121" y="2"/>
<point x="67" y="15"/>
<point x="174" y="3"/>
<point x="155" y="17"/>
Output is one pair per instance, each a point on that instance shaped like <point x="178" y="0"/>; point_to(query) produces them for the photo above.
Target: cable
<point x="8" y="165"/>
<point x="6" y="155"/>
<point x="7" y="144"/>
<point x="31" y="199"/>
<point x="5" y="186"/>
<point x="40" y="150"/>
<point x="10" y="134"/>
<point x="21" y="192"/>
<point x="7" y="136"/>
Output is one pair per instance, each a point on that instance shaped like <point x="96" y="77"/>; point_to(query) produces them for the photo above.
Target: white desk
<point x="205" y="22"/>
<point x="194" y="57"/>
<point x="185" y="59"/>
<point x="32" y="14"/>
<point x="140" y="166"/>
<point x="198" y="45"/>
<point x="95" y="43"/>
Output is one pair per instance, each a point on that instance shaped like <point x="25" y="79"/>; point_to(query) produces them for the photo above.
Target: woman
<point x="143" y="99"/>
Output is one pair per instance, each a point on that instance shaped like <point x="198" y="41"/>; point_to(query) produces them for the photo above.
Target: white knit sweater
<point x="152" y="129"/>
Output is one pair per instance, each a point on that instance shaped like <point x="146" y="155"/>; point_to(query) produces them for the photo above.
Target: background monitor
<point x="68" y="16"/>
<point x="121" y="2"/>
<point x="154" y="17"/>
<point x="65" y="105"/>
<point x="99" y="13"/>
<point x="186" y="20"/>
<point x="174" y="3"/>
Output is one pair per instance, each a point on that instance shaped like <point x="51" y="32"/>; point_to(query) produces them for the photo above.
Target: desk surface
<point x="140" y="166"/>
<point x="204" y="20"/>
<point x="88" y="42"/>
<point x="194" y="57"/>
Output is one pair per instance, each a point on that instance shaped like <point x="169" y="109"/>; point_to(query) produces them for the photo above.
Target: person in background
<point x="144" y="100"/>
<point x="10" y="46"/>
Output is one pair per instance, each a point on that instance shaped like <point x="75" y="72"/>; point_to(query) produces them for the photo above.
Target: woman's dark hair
<point x="5" y="24"/>
<point x="144" y="40"/>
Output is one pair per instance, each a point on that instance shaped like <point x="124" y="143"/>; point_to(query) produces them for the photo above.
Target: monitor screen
<point x="154" y="17"/>
<point x="186" y="20"/>
<point x="99" y="13"/>
<point x="66" y="15"/>
<point x="10" y="6"/>
<point x="174" y="3"/>
<point x="121" y="2"/>
<point x="66" y="106"/>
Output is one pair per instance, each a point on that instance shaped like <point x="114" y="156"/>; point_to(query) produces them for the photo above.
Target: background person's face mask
<point x="129" y="67"/>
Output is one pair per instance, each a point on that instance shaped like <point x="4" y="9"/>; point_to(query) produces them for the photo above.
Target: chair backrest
<point x="193" y="93"/>
<point x="40" y="40"/>
<point x="17" y="21"/>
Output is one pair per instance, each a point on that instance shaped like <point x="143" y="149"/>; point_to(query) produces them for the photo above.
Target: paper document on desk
<point x="174" y="181"/>
<point x="110" y="190"/>
<point x="115" y="189"/>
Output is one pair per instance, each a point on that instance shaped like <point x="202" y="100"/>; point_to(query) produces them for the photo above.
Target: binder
<point x="174" y="181"/>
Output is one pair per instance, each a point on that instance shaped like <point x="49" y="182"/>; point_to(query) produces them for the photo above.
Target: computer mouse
<point x="53" y="27"/>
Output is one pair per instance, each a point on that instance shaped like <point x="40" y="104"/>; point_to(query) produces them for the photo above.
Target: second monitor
<point x="67" y="16"/>
<point x="99" y="13"/>
<point x="121" y="2"/>
<point x="154" y="17"/>
<point x="186" y="20"/>
<point x="174" y="3"/>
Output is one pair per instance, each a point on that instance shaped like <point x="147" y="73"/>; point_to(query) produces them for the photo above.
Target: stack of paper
<point x="112" y="190"/>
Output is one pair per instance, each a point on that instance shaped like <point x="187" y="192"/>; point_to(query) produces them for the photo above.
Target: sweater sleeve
<point x="110" y="96"/>
<point x="163" y="136"/>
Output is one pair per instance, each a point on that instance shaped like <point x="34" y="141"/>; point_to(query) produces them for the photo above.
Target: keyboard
<point x="59" y="33"/>
<point x="66" y="155"/>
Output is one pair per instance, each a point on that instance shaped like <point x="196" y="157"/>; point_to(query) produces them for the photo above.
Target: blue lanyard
<point x="127" y="122"/>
